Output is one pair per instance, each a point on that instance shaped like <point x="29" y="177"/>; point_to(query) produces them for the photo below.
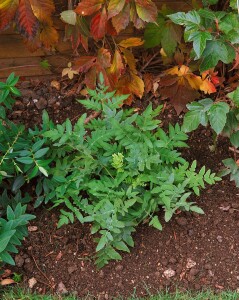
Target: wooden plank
<point x="22" y="67"/>
<point x="13" y="46"/>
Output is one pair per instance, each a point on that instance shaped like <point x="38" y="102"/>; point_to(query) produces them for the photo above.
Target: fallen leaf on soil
<point x="7" y="281"/>
<point x="32" y="228"/>
<point x="31" y="282"/>
<point x="56" y="84"/>
<point x="190" y="263"/>
<point x="225" y="208"/>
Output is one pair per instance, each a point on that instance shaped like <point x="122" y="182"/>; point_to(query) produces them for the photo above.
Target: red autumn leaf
<point x="110" y="30"/>
<point x="48" y="36"/>
<point x="43" y="9"/>
<point x="88" y="7"/>
<point x="179" y="94"/>
<point x="115" y="7"/>
<point x="98" y="25"/>
<point x="84" y="63"/>
<point x="146" y="10"/>
<point x="27" y="23"/>
<point x="121" y="21"/>
<point x="90" y="78"/>
<point x="7" y="13"/>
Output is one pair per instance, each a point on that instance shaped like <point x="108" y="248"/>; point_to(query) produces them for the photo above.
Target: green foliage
<point x="117" y="171"/>
<point x="223" y="119"/>
<point x="12" y="231"/>
<point x="214" y="34"/>
<point x="163" y="33"/>
<point x="15" y="169"/>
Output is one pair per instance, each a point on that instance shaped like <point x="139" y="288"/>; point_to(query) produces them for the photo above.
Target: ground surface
<point x="192" y="252"/>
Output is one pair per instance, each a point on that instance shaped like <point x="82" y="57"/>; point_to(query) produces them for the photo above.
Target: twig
<point x="43" y="274"/>
<point x="92" y="116"/>
<point x="148" y="62"/>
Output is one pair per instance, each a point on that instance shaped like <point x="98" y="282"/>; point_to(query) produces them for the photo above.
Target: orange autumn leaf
<point x="131" y="42"/>
<point x="209" y="82"/>
<point x="48" y="36"/>
<point x="185" y="74"/>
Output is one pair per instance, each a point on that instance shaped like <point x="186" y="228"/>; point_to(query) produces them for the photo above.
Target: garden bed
<point x="193" y="252"/>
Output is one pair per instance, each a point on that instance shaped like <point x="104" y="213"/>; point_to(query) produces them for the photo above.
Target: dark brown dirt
<point x="192" y="252"/>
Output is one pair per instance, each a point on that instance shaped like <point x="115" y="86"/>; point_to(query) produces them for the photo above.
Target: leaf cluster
<point x="117" y="171"/>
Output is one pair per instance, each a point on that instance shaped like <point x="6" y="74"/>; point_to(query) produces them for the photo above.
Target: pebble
<point x="219" y="238"/>
<point x="19" y="260"/>
<point x="190" y="263"/>
<point x="61" y="289"/>
<point x="182" y="221"/>
<point x="169" y="273"/>
<point x="31" y="282"/>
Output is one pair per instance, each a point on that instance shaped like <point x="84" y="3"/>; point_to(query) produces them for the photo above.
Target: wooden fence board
<point x="14" y="54"/>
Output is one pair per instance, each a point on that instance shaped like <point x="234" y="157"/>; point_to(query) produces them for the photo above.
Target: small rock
<point x="219" y="238"/>
<point x="169" y="273"/>
<point x="190" y="263"/>
<point x="61" y="289"/>
<point x="182" y="221"/>
<point x="106" y="296"/>
<point x="31" y="282"/>
<point x="193" y="272"/>
<point x="119" y="268"/>
<point x="32" y="228"/>
<point x="237" y="277"/>
<point x="190" y="232"/>
<point x="41" y="103"/>
<point x="19" y="260"/>
<point x="72" y="269"/>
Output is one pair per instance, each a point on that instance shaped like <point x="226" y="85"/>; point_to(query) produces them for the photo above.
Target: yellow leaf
<point x="117" y="65"/>
<point x="131" y="42"/>
<point x="136" y="85"/>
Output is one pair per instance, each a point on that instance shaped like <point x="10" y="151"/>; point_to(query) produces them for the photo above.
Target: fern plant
<point x="117" y="171"/>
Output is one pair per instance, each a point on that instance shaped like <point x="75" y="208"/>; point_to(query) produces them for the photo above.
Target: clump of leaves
<point x="33" y="19"/>
<point x="118" y="170"/>
<point x="20" y="155"/>
<point x="223" y="118"/>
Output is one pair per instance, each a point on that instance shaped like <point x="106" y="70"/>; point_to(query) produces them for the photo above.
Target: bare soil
<point x="192" y="252"/>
